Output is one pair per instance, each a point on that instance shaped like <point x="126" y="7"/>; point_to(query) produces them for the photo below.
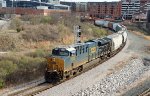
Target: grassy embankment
<point x="138" y="29"/>
<point x="29" y="39"/>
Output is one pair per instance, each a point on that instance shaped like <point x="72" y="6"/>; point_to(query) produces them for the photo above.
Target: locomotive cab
<point x="56" y="63"/>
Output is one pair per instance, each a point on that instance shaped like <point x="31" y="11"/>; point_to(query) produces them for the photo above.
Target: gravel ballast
<point x="111" y="78"/>
<point x="107" y="79"/>
<point x="117" y="80"/>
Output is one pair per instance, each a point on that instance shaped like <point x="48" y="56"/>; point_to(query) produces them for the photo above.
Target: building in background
<point x="71" y="4"/>
<point x="76" y="6"/>
<point x="141" y="14"/>
<point x="2" y="3"/>
<point x="129" y="7"/>
<point x="96" y="9"/>
<point x="104" y="9"/>
<point x="148" y="16"/>
<point x="143" y="2"/>
<point x="61" y="7"/>
<point x="31" y="11"/>
<point x="81" y="7"/>
<point x="54" y="1"/>
<point x="35" y="7"/>
<point x="34" y="4"/>
<point x="51" y="1"/>
<point x="132" y="7"/>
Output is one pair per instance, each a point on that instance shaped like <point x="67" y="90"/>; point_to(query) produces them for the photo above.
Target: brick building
<point x="31" y="11"/>
<point x="104" y="9"/>
<point x="143" y="2"/>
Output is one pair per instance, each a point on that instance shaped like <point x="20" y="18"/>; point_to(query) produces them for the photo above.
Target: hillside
<point x="27" y="40"/>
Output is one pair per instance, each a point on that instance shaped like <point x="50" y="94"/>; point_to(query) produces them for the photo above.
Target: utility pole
<point x="77" y="34"/>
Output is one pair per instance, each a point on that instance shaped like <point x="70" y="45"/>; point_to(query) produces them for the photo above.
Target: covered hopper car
<point x="66" y="61"/>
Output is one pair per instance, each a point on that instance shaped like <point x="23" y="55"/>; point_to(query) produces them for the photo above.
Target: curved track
<point x="135" y="44"/>
<point x="145" y="93"/>
<point x="45" y="86"/>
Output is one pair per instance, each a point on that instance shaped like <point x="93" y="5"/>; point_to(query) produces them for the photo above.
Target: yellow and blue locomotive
<point x="66" y="61"/>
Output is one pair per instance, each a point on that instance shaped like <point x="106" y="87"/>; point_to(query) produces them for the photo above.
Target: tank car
<point x="99" y="23"/>
<point x="117" y="27"/>
<point x="106" y="23"/>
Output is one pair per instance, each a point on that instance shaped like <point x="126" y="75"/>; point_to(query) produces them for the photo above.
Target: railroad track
<point x="45" y="86"/>
<point x="145" y="93"/>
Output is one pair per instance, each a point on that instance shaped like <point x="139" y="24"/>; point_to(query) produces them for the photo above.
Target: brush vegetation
<point x="16" y="69"/>
<point x="138" y="27"/>
<point x="29" y="39"/>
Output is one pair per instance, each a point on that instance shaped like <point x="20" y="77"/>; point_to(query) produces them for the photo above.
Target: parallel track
<point x="45" y="86"/>
<point x="145" y="93"/>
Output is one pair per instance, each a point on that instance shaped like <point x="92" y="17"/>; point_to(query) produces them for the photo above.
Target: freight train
<point x="66" y="61"/>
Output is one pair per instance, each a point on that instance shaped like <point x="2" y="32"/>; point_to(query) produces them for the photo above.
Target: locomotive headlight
<point x="53" y="59"/>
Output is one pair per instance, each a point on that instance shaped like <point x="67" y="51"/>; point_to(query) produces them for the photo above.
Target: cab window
<point x="55" y="52"/>
<point x="60" y="52"/>
<point x="72" y="54"/>
<point x="63" y="53"/>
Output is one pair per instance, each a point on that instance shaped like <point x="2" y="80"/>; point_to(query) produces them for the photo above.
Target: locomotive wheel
<point x="80" y="68"/>
<point x="52" y="77"/>
<point x="74" y="73"/>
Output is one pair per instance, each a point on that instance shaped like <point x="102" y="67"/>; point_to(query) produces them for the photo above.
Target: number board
<point x="93" y="49"/>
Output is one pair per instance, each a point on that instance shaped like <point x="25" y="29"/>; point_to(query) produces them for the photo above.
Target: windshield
<point x="60" y="52"/>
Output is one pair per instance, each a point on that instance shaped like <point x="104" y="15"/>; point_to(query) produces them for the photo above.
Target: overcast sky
<point x="89" y="0"/>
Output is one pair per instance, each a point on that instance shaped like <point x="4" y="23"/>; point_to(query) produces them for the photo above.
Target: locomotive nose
<point x="53" y="59"/>
<point x="52" y="76"/>
<point x="55" y="67"/>
<point x="55" y="64"/>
